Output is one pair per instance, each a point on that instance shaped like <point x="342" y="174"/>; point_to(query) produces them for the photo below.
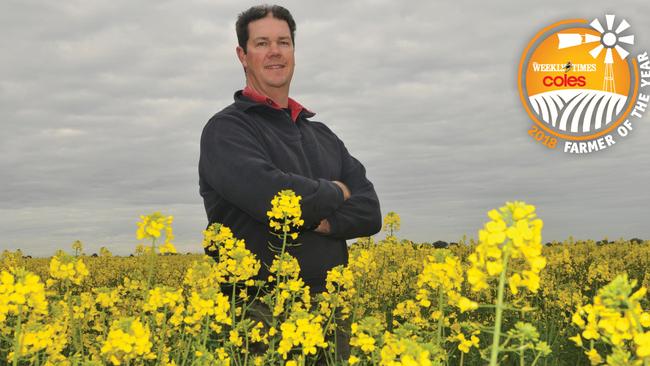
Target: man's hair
<point x="259" y="12"/>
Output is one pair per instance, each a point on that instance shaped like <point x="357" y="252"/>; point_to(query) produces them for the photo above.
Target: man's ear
<point x="241" y="55"/>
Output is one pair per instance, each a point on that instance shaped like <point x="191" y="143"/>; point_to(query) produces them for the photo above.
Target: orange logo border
<point x="543" y="126"/>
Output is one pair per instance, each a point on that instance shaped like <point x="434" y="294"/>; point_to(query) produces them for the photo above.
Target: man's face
<point x="269" y="58"/>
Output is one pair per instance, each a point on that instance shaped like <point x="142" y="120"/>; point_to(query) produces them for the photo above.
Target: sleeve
<point x="235" y="164"/>
<point x="360" y="215"/>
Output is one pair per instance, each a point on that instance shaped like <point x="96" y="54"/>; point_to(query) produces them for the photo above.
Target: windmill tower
<point x="609" y="39"/>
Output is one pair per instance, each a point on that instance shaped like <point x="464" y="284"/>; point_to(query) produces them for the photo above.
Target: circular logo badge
<point x="578" y="84"/>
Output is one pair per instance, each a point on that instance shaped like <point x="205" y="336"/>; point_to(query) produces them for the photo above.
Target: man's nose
<point x="274" y="49"/>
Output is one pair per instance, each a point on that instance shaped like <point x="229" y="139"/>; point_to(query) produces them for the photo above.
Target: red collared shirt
<point x="294" y="106"/>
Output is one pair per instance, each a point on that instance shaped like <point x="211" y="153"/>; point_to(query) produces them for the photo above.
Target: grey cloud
<point x="103" y="104"/>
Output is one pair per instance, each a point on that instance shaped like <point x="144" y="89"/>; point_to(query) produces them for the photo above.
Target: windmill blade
<point x="590" y="38"/>
<point x="608" y="57"/>
<point x="627" y="39"/>
<point x="621" y="52"/>
<point x="595" y="24"/>
<point x="596" y="51"/>
<point x="623" y="26"/>
<point x="610" y="21"/>
<point x="569" y="40"/>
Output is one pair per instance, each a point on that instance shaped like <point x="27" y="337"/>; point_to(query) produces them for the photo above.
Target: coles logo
<point x="581" y="85"/>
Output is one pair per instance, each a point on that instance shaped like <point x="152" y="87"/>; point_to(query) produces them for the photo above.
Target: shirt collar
<point x="294" y="106"/>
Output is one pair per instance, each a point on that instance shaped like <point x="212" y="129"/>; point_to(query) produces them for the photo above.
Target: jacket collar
<point x="248" y="98"/>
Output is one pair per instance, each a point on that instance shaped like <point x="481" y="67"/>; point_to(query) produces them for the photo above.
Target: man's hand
<point x="323" y="227"/>
<point x="344" y="188"/>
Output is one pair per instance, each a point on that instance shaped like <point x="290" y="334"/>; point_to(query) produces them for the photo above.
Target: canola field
<point x="506" y="299"/>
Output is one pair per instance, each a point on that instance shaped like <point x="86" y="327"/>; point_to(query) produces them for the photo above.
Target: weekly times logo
<point x="582" y="86"/>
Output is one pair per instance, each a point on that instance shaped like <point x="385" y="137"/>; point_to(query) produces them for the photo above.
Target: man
<point x="265" y="142"/>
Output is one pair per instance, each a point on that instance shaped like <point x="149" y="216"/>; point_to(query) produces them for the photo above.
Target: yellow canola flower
<point x="364" y="341"/>
<point x="209" y="303"/>
<point x="340" y="291"/>
<point x="304" y="330"/>
<point x="104" y="252"/>
<point x="235" y="339"/>
<point x="494" y="268"/>
<point x="285" y="266"/>
<point x="403" y="351"/>
<point x="465" y="344"/>
<point x="392" y="223"/>
<point x="615" y="318"/>
<point x="216" y="235"/>
<point x="476" y="277"/>
<point x="285" y="213"/>
<point x="77" y="246"/>
<point x="167" y="248"/>
<point x="203" y="274"/>
<point x="235" y="263"/>
<point x="444" y="276"/>
<point x="291" y="295"/>
<point x="127" y="339"/>
<point x="105" y="297"/>
<point x="163" y="296"/>
<point x="238" y="264"/>
<point x="256" y="334"/>
<point x="642" y="342"/>
<point x="594" y="357"/>
<point x="577" y="320"/>
<point x="494" y="232"/>
<point x="577" y="340"/>
<point x="67" y="268"/>
<point x="411" y="310"/>
<point x="154" y="225"/>
<point x="21" y="292"/>
<point x="513" y="234"/>
<point x="464" y="304"/>
<point x="37" y="338"/>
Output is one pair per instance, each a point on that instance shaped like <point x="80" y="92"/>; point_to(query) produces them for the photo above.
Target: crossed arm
<point x="360" y="214"/>
<point x="235" y="165"/>
<point x="324" y="225"/>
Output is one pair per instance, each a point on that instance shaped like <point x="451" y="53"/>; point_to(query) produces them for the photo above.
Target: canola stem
<point x="232" y="305"/>
<point x="17" y="336"/>
<point x="499" y="311"/>
<point x="329" y="320"/>
<point x="186" y="353"/>
<point x="639" y="328"/>
<point x="441" y="319"/>
<point x="73" y="324"/>
<point x="161" y="345"/>
<point x="151" y="264"/>
<point x="277" y="275"/>
<point x="277" y="285"/>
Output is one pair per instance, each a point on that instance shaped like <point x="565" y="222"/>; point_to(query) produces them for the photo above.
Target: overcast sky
<point x="102" y="104"/>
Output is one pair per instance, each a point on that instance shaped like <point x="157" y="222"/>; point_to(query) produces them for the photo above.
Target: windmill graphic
<point x="609" y="39"/>
<point x="586" y="111"/>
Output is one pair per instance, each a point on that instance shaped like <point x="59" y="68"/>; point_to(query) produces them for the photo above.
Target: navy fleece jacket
<point x="251" y="151"/>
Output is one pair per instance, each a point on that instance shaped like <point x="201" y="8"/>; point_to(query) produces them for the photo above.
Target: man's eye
<point x="284" y="43"/>
<point x="259" y="44"/>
